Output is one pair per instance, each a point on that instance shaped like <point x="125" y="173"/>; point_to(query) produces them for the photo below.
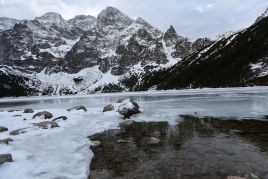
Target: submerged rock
<point x="5" y="158"/>
<point x="45" y="114"/>
<point x="28" y="110"/>
<point x="6" y="141"/>
<point x="61" y="117"/>
<point x="197" y="146"/>
<point x="3" y="129"/>
<point x="78" y="108"/>
<point x="46" y="124"/>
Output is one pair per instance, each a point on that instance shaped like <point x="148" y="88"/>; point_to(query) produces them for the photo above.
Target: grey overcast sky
<point x="191" y="18"/>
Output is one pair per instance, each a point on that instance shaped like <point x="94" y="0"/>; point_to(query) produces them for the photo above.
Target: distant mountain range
<point x="112" y="53"/>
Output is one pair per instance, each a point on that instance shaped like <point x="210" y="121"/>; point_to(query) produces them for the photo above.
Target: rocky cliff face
<point x="240" y="59"/>
<point x="113" y="52"/>
<point x="87" y="54"/>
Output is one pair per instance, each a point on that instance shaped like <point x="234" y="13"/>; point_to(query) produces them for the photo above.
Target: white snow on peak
<point x="51" y="18"/>
<point x="7" y="23"/>
<point x="114" y="15"/>
<point x="83" y="22"/>
<point x="62" y="50"/>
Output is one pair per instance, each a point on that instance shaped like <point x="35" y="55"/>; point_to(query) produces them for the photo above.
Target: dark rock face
<point x="238" y="60"/>
<point x="201" y="43"/>
<point x="5" y="158"/>
<point x="3" y="129"/>
<point x="206" y="146"/>
<point x="15" y="84"/>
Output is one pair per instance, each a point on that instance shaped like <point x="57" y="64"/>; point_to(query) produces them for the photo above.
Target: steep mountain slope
<point x="7" y="23"/>
<point x="238" y="60"/>
<point x="87" y="54"/>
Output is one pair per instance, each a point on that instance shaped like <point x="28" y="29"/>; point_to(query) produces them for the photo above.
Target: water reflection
<point x="195" y="148"/>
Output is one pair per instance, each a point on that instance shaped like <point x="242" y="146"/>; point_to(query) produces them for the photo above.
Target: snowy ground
<point x="64" y="152"/>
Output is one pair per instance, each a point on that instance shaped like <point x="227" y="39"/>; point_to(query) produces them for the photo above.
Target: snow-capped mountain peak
<point x="51" y="18"/>
<point x="112" y="15"/>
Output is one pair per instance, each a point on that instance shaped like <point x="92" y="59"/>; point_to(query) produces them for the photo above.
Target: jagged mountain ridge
<point x="240" y="59"/>
<point x="87" y="54"/>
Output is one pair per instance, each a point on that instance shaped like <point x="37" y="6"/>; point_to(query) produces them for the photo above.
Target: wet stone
<point x="5" y="158"/>
<point x="61" y="117"/>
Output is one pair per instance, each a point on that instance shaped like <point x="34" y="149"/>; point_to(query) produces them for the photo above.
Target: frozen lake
<point x="251" y="101"/>
<point x="64" y="152"/>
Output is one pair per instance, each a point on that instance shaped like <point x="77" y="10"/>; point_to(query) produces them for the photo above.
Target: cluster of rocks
<point x="49" y="122"/>
<point x="126" y="107"/>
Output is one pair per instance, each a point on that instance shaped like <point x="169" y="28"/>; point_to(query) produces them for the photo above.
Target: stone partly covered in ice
<point x="78" y="108"/>
<point x="125" y="107"/>
<point x="6" y="141"/>
<point x="5" y="158"/>
<point x="128" y="108"/>
<point x="46" y="124"/>
<point x="45" y="114"/>
<point x="19" y="131"/>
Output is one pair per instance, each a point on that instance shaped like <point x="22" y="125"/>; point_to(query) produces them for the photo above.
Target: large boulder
<point x="5" y="158"/>
<point x="3" y="129"/>
<point x="78" y="108"/>
<point x="45" y="114"/>
<point x="125" y="107"/>
<point x="128" y="108"/>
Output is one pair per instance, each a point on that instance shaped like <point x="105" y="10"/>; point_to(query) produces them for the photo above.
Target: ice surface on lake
<point x="64" y="152"/>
